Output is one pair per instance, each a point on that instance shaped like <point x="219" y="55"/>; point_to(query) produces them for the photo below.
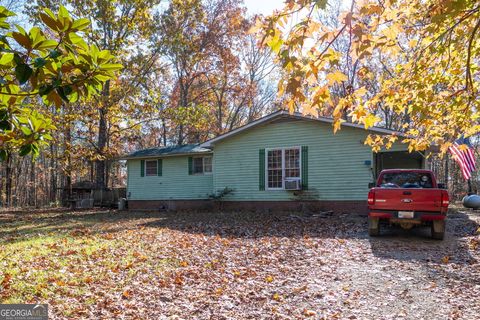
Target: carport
<point x="397" y="160"/>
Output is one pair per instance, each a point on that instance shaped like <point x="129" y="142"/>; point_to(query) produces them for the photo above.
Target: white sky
<point x="265" y="7"/>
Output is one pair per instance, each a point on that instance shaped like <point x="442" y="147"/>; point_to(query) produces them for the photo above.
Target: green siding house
<point x="281" y="161"/>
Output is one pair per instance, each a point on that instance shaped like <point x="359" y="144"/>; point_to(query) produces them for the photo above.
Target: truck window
<point x="406" y="180"/>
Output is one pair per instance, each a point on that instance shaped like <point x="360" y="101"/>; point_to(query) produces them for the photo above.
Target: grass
<point x="56" y="257"/>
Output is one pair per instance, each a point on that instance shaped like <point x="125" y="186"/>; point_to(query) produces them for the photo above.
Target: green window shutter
<point x="159" y="167"/>
<point x="261" y="169"/>
<point x="142" y="168"/>
<point x="190" y="165"/>
<point x="305" y="167"/>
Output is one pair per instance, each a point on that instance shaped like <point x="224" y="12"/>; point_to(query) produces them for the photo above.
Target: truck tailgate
<point x="410" y="199"/>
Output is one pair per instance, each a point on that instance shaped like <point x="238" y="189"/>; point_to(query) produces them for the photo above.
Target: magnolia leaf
<point x="26" y="131"/>
<point x="49" y="21"/>
<point x="45" y="89"/>
<point x="23" y="72"/>
<point x="22" y="40"/>
<point x="63" y="12"/>
<point x="80" y="24"/>
<point x="25" y="149"/>
<point x="55" y="54"/>
<point x="5" y="13"/>
<point x="111" y="66"/>
<point x="6" y="58"/>
<point x="39" y="62"/>
<point x="47" y="44"/>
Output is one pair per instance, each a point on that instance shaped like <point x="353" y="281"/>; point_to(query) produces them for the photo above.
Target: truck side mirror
<point x="371" y="185"/>
<point x="442" y="186"/>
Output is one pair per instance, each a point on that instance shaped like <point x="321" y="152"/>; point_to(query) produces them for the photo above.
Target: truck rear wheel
<point x="373" y="227"/>
<point x="438" y="229"/>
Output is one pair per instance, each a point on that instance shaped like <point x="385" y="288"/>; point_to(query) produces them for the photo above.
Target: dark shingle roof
<point x="167" y="151"/>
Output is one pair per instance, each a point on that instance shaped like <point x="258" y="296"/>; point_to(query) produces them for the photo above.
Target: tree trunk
<point x="446" y="171"/>
<point x="102" y="138"/>
<point x="92" y="171"/>
<point x="107" y="173"/>
<point x="8" y="181"/>
<point x="32" y="198"/>
<point x="53" y="174"/>
<point x="68" y="163"/>
<point x="164" y="126"/>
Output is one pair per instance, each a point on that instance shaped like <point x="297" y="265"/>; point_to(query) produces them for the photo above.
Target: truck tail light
<point x="371" y="197"/>
<point x="445" y="198"/>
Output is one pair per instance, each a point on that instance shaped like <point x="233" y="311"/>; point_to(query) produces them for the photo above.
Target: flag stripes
<point x="464" y="157"/>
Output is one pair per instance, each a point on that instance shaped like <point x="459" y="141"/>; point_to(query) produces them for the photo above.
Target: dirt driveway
<point x="243" y="266"/>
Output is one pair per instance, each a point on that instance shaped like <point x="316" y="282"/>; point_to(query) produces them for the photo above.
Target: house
<point x="281" y="161"/>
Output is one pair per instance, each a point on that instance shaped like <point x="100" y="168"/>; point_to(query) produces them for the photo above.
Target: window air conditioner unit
<point x="293" y="184"/>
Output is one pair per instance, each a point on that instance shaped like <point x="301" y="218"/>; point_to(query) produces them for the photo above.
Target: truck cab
<point x="409" y="198"/>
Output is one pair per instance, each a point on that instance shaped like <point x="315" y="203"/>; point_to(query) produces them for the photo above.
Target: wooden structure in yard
<point x="85" y="194"/>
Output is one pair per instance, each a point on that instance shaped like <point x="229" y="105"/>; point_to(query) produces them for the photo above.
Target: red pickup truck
<point x="408" y="198"/>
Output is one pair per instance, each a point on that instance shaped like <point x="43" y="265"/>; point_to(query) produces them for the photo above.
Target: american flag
<point x="464" y="156"/>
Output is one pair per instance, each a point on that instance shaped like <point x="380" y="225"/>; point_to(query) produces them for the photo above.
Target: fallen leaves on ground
<point x="95" y="264"/>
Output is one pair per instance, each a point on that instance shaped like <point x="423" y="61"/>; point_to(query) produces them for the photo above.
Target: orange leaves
<point x="108" y="236"/>
<point x="268" y="279"/>
<point x="6" y="281"/>
<point x="127" y="294"/>
<point x="445" y="259"/>
<point x="79" y="232"/>
<point x="139" y="256"/>
<point x="178" y="280"/>
<point x="398" y="53"/>
<point x="309" y="313"/>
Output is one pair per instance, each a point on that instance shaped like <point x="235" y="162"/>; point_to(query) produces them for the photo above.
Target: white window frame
<point x="211" y="165"/>
<point x="203" y="166"/>
<point x="156" y="166"/>
<point x="283" y="165"/>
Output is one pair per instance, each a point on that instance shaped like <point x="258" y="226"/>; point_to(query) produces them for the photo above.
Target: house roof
<point x="287" y="115"/>
<point x="176" y="150"/>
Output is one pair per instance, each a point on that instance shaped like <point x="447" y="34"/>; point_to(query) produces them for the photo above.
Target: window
<point x="275" y="172"/>
<point x="406" y="180"/>
<point x="197" y="165"/>
<point x="202" y="165"/>
<point x="292" y="163"/>
<point x="207" y="164"/>
<point x="151" y="167"/>
<point x="282" y="164"/>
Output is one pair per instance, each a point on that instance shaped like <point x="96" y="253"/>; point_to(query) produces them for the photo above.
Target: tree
<point x="215" y="69"/>
<point x="50" y="66"/>
<point x="59" y="68"/>
<point x="429" y="51"/>
<point x="122" y="27"/>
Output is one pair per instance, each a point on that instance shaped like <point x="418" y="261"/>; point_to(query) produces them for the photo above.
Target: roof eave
<point x="164" y="155"/>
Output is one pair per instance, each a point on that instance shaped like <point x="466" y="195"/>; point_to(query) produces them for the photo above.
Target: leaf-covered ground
<point x="107" y="264"/>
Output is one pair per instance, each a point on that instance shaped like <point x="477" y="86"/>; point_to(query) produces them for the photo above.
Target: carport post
<point x="470" y="191"/>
